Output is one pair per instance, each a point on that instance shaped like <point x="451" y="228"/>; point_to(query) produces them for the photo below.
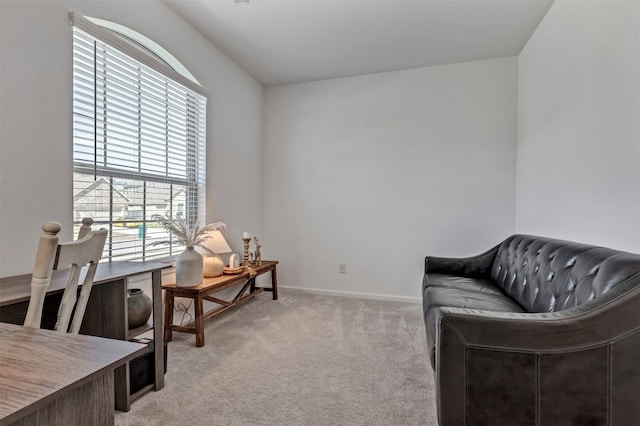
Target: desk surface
<point x="36" y="366"/>
<point x="18" y="289"/>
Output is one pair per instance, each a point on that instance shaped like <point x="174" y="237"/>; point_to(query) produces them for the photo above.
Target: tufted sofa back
<point x="545" y="275"/>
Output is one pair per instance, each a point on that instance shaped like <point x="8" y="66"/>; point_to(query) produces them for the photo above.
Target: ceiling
<point x="289" y="41"/>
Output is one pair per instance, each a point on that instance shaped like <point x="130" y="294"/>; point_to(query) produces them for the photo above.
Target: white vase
<point x="189" y="268"/>
<point x="213" y="265"/>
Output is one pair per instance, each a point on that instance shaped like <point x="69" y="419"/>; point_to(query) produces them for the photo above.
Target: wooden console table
<point x="58" y="379"/>
<point x="203" y="292"/>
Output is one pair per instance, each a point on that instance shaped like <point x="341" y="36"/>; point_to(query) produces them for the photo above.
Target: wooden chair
<point x="52" y="256"/>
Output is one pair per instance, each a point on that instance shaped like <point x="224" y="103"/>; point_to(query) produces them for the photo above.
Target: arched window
<point x="139" y="125"/>
<point x="145" y="44"/>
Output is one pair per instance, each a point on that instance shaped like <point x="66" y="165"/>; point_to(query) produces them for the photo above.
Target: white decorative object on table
<point x="189" y="268"/>
<point x="212" y="265"/>
<point x="215" y="244"/>
<point x="189" y="264"/>
<point x="258" y="254"/>
<point x="246" y="239"/>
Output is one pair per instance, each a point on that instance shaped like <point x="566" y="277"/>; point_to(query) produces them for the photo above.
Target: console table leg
<point x="168" y="316"/>
<point x="199" y="322"/>
<point x="274" y="283"/>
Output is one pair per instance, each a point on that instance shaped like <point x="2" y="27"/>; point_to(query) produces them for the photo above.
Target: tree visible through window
<point x="138" y="148"/>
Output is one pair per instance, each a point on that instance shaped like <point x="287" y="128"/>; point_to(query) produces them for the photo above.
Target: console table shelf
<point x="210" y="286"/>
<point x="134" y="332"/>
<point x="141" y="392"/>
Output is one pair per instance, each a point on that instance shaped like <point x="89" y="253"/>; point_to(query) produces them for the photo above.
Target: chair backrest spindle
<point x="42" y="271"/>
<point x="85" y="228"/>
<point x="75" y="255"/>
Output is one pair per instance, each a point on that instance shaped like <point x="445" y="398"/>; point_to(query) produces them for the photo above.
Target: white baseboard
<point x="357" y="295"/>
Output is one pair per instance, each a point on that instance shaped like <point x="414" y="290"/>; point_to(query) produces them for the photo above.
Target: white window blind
<point x="138" y="148"/>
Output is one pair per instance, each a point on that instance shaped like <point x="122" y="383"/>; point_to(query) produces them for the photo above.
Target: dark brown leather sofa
<point x="535" y="331"/>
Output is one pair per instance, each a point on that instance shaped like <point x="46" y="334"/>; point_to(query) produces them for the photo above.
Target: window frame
<point x="195" y="147"/>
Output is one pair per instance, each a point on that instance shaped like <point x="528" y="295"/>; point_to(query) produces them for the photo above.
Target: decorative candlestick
<point x="246" y="238"/>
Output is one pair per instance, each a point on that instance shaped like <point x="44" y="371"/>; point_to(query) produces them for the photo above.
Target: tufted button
<point x="552" y="255"/>
<point x="571" y="262"/>
<point x="524" y="262"/>
<point x="550" y="276"/>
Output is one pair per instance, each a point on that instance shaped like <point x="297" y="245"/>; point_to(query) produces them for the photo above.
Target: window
<point x="138" y="143"/>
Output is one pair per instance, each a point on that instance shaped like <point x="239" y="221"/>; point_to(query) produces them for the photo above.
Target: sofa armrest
<point x="473" y="266"/>
<point x="554" y="367"/>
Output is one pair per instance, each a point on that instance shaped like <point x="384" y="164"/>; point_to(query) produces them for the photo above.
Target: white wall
<point x="578" y="167"/>
<point x="378" y="171"/>
<point x="35" y="119"/>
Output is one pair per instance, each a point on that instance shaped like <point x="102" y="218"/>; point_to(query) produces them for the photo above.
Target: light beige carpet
<point x="304" y="359"/>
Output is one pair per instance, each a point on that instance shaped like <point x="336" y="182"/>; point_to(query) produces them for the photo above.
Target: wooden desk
<point x="58" y="379"/>
<point x="203" y="292"/>
<point x="106" y="314"/>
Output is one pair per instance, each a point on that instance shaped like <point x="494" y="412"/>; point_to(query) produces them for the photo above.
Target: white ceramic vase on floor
<point x="189" y="268"/>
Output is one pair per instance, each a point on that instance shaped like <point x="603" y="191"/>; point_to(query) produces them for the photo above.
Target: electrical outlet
<point x="342" y="268"/>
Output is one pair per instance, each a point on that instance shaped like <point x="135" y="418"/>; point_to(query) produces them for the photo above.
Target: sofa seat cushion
<point x="481" y="285"/>
<point x="436" y="297"/>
